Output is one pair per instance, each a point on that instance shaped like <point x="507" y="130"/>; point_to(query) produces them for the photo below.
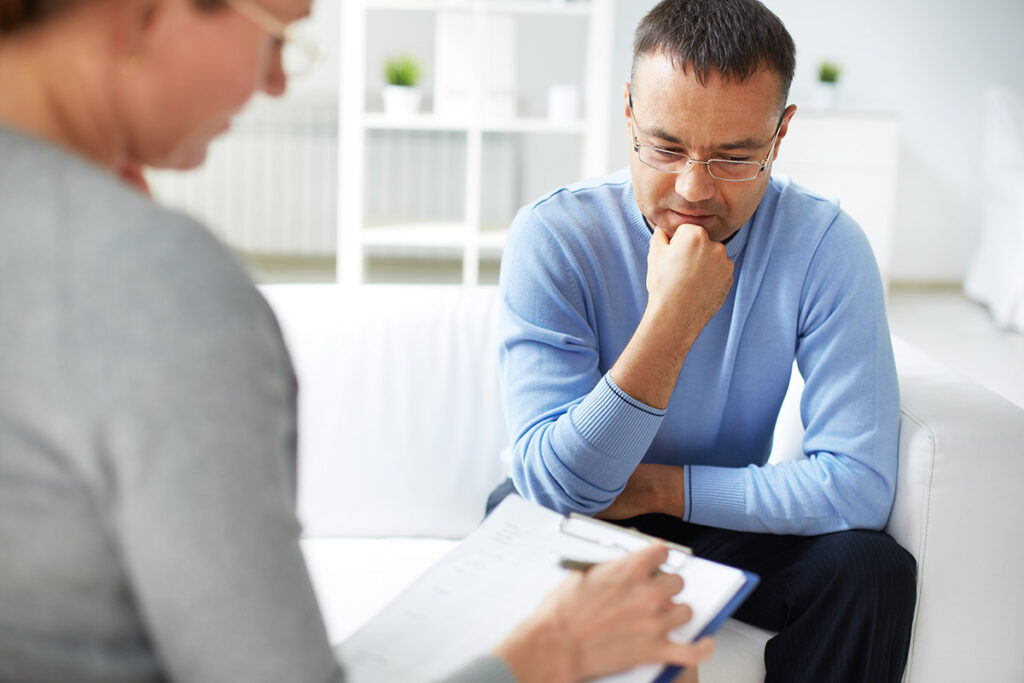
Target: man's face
<point x="720" y="120"/>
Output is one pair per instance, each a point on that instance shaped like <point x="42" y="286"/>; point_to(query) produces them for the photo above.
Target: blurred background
<point x="918" y="129"/>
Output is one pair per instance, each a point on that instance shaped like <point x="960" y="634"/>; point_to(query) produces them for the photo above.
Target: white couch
<point x="400" y="428"/>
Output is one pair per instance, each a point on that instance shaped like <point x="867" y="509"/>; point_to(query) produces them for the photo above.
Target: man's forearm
<point x="688" y="279"/>
<point x="649" y="366"/>
<point x="651" y="489"/>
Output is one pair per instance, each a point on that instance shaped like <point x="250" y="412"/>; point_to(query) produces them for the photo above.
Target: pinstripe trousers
<point x="842" y="603"/>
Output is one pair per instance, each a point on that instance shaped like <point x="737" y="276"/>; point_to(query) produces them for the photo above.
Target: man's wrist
<point x="667" y="327"/>
<point x="674" y="503"/>
<point x="648" y="368"/>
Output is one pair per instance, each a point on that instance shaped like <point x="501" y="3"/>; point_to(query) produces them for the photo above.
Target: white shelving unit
<point x="853" y="156"/>
<point x="465" y="238"/>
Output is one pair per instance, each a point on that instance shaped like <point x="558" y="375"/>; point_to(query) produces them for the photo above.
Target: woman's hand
<point x="610" y="618"/>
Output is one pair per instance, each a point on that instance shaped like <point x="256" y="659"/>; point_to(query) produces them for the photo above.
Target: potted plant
<point x="828" y="83"/>
<point x="401" y="96"/>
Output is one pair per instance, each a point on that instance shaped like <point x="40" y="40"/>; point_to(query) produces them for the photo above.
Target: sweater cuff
<point x="488" y="669"/>
<point x="613" y="422"/>
<point x="715" y="496"/>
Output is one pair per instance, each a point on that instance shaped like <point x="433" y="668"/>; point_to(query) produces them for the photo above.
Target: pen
<point x="577" y="565"/>
<point x="583" y="565"/>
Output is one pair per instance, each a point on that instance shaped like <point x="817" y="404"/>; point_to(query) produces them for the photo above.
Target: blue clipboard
<point x="669" y="673"/>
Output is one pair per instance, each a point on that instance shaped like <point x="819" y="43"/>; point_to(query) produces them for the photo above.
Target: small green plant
<point x="402" y="70"/>
<point x="829" y="72"/>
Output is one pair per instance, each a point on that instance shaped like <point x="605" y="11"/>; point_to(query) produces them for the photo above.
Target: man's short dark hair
<point x="734" y="38"/>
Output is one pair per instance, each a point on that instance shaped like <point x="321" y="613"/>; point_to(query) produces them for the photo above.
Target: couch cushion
<point x="400" y="416"/>
<point x="354" y="578"/>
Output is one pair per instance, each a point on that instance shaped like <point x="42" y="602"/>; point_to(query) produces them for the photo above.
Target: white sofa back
<point x="400" y="418"/>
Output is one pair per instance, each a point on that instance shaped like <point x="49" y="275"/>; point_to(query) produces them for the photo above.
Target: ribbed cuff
<point x="715" y="496"/>
<point x="488" y="669"/>
<point x="614" y="423"/>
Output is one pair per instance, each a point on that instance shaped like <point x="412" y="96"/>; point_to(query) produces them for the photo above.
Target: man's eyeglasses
<point x="727" y="170"/>
<point x="299" y="55"/>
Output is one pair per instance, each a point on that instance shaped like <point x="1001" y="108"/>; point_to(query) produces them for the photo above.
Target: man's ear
<point x="787" y="115"/>
<point x="626" y="110"/>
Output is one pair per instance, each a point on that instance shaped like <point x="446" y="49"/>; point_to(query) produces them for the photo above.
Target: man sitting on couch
<point x="650" y="323"/>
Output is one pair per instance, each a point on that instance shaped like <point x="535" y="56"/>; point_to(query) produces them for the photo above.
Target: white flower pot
<point x="401" y="100"/>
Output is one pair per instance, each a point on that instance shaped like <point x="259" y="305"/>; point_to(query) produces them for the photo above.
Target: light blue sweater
<point x="806" y="285"/>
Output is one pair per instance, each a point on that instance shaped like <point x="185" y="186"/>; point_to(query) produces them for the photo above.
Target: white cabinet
<point x="852" y="156"/>
<point x="437" y="189"/>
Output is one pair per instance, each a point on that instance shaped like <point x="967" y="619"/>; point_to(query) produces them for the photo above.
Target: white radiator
<point x="269" y="187"/>
<point x="420" y="177"/>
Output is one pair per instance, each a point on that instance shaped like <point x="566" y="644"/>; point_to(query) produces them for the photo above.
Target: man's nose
<point x="695" y="184"/>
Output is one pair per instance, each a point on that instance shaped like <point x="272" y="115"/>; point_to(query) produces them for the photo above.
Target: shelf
<point x="379" y="121"/>
<point x="418" y="240"/>
<point x="461" y="170"/>
<point x="430" y="240"/>
<point x="491" y="6"/>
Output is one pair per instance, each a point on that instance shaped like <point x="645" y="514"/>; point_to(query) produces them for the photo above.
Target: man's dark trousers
<point x="842" y="603"/>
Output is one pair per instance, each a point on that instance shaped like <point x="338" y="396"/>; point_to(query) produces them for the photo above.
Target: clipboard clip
<point x="577" y="525"/>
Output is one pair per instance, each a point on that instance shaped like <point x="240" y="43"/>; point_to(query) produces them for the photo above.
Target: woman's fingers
<point x="687" y="654"/>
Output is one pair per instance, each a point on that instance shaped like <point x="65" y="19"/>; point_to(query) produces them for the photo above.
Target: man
<point x="650" y="323"/>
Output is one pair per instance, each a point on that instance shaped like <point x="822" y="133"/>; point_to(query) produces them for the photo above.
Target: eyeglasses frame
<point x="762" y="165"/>
<point x="278" y="30"/>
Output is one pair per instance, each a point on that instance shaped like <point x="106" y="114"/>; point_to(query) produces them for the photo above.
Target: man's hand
<point x="688" y="277"/>
<point x="610" y="618"/>
<point x="688" y="280"/>
<point x="651" y="488"/>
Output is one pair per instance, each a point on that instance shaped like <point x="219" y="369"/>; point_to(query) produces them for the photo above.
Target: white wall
<point x="926" y="60"/>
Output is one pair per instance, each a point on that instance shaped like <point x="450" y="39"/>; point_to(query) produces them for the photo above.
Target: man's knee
<point x="503" y="491"/>
<point x="871" y="564"/>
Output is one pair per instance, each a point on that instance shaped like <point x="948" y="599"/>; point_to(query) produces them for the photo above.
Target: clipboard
<point x="465" y="605"/>
<point x="669" y="673"/>
<point x="751" y="581"/>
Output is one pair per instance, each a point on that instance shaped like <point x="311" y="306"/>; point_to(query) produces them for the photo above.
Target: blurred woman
<point x="147" y="403"/>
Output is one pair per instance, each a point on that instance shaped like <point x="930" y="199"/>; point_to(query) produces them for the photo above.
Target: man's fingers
<point x="688" y="231"/>
<point x="660" y="236"/>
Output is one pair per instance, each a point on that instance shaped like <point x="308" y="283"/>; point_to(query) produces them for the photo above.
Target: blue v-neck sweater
<point x="806" y="286"/>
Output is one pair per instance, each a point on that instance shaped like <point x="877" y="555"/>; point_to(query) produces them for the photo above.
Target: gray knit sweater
<point x="147" y="446"/>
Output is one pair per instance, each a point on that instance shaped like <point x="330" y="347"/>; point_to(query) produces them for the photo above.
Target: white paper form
<point x="494" y="579"/>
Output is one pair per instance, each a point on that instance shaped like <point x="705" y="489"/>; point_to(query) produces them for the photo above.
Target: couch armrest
<point x="958" y="511"/>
